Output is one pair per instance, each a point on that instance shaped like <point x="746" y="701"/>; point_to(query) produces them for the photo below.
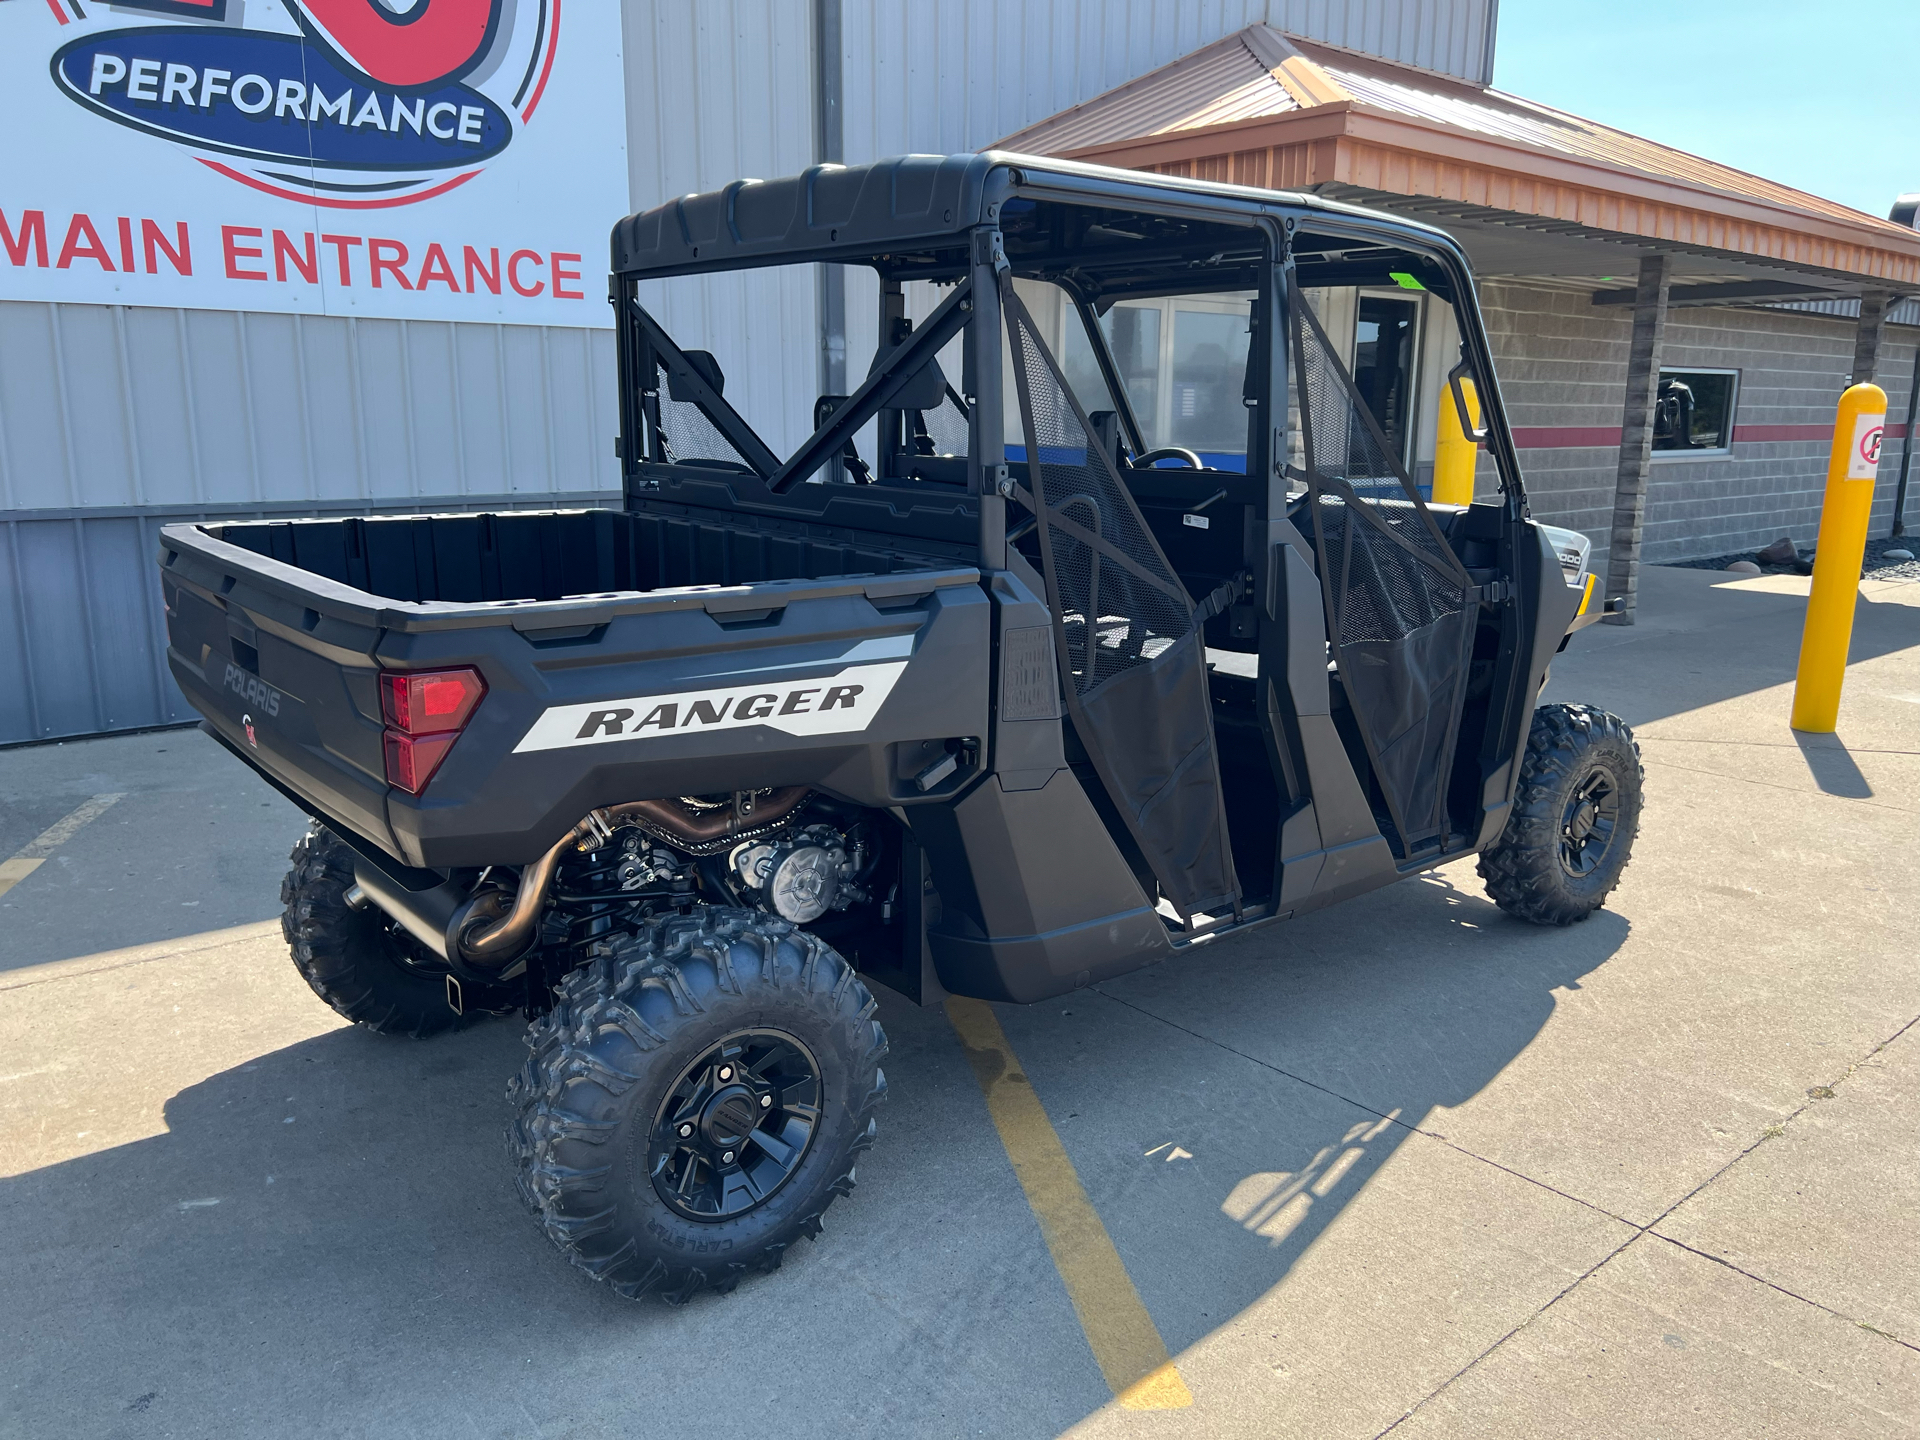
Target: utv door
<point x="1128" y="641"/>
<point x="1401" y="609"/>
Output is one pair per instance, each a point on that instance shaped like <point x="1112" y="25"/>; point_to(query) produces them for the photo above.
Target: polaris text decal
<point x="251" y="689"/>
<point x="833" y="704"/>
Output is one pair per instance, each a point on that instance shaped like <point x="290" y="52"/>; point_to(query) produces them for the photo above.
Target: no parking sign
<point x="1863" y="458"/>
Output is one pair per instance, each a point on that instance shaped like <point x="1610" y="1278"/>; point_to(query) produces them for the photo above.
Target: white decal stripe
<point x="844" y="701"/>
<point x="888" y="648"/>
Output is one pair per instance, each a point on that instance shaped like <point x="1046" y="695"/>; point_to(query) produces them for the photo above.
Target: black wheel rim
<point x="735" y="1126"/>
<point x="1588" y="823"/>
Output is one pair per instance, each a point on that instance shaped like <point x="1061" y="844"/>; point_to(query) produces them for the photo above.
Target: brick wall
<point x="1562" y="363"/>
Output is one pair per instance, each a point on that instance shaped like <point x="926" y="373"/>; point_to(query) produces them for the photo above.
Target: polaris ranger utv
<point x="1103" y="617"/>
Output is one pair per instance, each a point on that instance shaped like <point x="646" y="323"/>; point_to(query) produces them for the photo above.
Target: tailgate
<point x="284" y="677"/>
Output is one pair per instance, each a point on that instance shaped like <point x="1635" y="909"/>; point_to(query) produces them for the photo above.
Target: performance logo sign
<point x="446" y="159"/>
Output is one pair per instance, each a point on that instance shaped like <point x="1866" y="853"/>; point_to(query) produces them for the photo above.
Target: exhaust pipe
<point x="472" y="933"/>
<point x="490" y="930"/>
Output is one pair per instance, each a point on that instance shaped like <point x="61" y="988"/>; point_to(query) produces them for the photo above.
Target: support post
<point x="985" y="389"/>
<point x="1852" y="464"/>
<point x="1636" y="434"/>
<point x="1866" y="337"/>
<point x="830" y="281"/>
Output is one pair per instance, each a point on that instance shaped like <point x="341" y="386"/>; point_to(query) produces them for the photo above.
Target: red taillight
<point x="425" y="702"/>
<point x="425" y="711"/>
<point x="412" y="759"/>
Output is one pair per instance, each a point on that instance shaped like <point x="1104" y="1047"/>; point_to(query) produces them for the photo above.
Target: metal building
<point x="116" y="420"/>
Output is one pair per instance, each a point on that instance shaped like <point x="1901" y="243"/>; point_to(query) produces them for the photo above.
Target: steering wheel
<point x="1168" y="452"/>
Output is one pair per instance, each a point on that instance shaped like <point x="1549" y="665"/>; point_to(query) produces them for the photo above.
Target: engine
<point x="801" y="856"/>
<point x="803" y="875"/>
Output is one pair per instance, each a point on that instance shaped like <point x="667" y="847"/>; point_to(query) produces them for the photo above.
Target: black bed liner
<point x="552" y="555"/>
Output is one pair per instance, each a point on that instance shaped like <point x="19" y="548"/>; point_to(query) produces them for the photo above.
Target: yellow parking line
<point x="24" y="861"/>
<point x="1121" y="1334"/>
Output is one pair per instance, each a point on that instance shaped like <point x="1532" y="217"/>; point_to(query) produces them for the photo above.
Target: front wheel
<point x="696" y="1099"/>
<point x="1575" y="813"/>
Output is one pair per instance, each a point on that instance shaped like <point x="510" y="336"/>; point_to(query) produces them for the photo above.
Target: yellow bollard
<point x="1454" y="452"/>
<point x="1837" y="558"/>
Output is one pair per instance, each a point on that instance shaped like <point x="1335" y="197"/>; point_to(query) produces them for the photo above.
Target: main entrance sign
<point x="445" y="159"/>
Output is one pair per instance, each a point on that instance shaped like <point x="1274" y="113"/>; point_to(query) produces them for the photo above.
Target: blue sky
<point x="1822" y="97"/>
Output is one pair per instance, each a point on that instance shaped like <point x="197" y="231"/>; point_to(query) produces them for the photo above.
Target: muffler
<point x="425" y="914"/>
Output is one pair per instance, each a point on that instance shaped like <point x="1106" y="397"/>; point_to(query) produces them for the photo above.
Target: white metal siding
<point x="115" y="420"/>
<point x="716" y="92"/>
<point x="937" y="76"/>
<point x="106" y="405"/>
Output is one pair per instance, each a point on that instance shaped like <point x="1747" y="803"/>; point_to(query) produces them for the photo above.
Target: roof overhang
<point x="1538" y="192"/>
<point x="1346" y="146"/>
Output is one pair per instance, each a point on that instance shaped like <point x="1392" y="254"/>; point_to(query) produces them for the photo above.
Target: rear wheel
<point x="696" y="1099"/>
<point x="1575" y="814"/>
<point x="358" y="961"/>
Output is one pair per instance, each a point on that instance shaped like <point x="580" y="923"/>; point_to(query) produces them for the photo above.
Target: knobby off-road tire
<point x="1575" y="814"/>
<point x="352" y="958"/>
<point x="634" y="1056"/>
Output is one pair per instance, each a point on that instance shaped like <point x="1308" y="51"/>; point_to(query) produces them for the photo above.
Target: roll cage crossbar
<point x="1102" y="237"/>
<point x="892" y="374"/>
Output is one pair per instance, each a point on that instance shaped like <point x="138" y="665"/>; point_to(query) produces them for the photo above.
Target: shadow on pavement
<point x="326" y="1240"/>
<point x="1702" y="638"/>
<point x="1312" y="1050"/>
<point x="1833" y="768"/>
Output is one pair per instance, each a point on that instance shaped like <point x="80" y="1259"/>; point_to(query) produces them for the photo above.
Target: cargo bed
<point x="279" y="632"/>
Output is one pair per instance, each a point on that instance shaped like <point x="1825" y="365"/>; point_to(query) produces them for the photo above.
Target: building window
<point x="1693" y="412"/>
<point x="1385" y="355"/>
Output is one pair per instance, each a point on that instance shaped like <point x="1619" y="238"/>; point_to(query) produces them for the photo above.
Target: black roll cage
<point x="1303" y="238"/>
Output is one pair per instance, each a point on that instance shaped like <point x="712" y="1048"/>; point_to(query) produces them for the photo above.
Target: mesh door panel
<point x="1129" y="651"/>
<point x="1400" y="607"/>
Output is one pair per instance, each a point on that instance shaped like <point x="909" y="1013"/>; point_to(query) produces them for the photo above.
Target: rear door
<point x="1129" y="644"/>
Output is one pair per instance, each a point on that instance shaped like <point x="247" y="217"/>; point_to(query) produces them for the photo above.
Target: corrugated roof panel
<point x="1219" y="83"/>
<point x="1521" y="121"/>
<point x="1256" y="98"/>
<point x="1229" y="81"/>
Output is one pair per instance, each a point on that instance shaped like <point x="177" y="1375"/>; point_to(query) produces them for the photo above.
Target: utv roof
<point x="923" y="202"/>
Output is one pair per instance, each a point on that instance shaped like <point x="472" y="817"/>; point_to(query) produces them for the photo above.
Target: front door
<point x="1401" y="609"/>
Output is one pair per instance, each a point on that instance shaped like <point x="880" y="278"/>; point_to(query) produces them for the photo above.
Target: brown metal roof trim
<point x="1411" y="134"/>
<point x="1345" y="145"/>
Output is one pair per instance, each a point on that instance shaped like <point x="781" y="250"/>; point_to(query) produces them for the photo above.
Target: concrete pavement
<point x="1404" y="1165"/>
